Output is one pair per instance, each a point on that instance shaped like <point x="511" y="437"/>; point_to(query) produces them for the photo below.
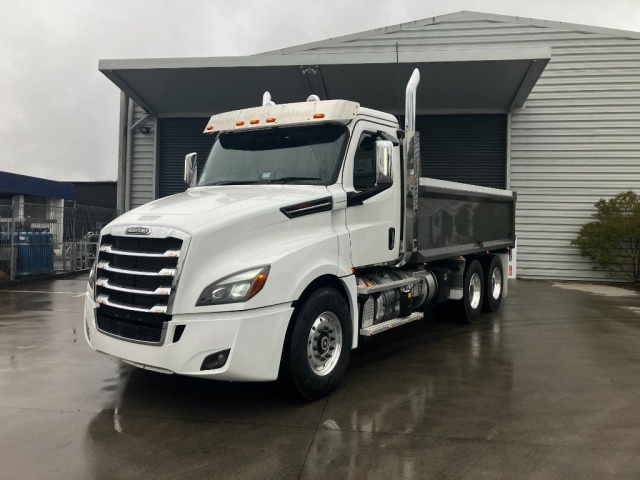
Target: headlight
<point x="238" y="287"/>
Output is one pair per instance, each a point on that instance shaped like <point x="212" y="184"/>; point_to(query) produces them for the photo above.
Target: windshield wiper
<point x="292" y="179"/>
<point x="230" y="182"/>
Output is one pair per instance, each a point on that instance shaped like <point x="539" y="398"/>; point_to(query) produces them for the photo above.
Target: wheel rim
<point x="474" y="290"/>
<point x="496" y="283"/>
<point x="325" y="343"/>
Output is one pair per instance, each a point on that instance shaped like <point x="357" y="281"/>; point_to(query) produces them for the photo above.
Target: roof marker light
<point x="254" y="121"/>
<point x="318" y="115"/>
<point x="239" y="123"/>
<point x="271" y="119"/>
<point x="209" y="127"/>
<point x="313" y="98"/>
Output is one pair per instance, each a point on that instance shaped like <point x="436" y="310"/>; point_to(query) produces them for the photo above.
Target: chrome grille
<point x="136" y="278"/>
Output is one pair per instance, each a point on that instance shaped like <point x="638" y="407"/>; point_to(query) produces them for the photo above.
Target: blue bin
<point x="35" y="254"/>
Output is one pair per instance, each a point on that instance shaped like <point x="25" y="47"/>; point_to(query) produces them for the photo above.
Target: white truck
<point x="309" y="229"/>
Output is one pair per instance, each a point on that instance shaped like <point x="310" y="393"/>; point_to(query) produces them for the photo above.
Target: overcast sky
<point x="59" y="115"/>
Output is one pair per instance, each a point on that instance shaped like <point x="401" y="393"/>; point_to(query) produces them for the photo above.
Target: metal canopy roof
<point x="461" y="81"/>
<point x="16" y="184"/>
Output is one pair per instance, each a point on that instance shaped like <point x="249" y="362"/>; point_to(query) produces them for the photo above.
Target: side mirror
<point x="384" y="161"/>
<point x="191" y="169"/>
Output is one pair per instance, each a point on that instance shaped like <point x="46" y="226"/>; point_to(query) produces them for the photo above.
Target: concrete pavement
<point x="549" y="387"/>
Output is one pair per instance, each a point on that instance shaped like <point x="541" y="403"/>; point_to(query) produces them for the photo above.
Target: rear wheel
<point x="493" y="275"/>
<point x="468" y="309"/>
<point x="317" y="349"/>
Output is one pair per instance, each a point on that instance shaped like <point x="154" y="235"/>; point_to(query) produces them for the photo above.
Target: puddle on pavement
<point x="605" y="290"/>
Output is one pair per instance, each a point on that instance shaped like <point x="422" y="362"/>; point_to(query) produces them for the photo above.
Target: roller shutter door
<point x="179" y="136"/>
<point x="464" y="148"/>
<point x="458" y="148"/>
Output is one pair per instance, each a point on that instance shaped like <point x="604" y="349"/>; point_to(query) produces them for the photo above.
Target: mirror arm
<point x="357" y="198"/>
<point x="389" y="138"/>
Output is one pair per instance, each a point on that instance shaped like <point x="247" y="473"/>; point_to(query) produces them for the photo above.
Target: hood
<point x="201" y="205"/>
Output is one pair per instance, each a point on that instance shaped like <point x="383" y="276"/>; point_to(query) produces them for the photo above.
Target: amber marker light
<point x="318" y="115"/>
<point x="209" y="127"/>
<point x="271" y="119"/>
<point x="254" y="121"/>
<point x="239" y="123"/>
<point x="258" y="283"/>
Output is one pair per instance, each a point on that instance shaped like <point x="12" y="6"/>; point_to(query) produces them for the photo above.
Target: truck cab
<point x="298" y="239"/>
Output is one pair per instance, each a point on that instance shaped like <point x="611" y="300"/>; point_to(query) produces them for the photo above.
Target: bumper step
<point x="396" y="322"/>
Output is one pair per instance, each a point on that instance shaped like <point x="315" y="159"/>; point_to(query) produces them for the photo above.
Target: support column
<point x="18" y="208"/>
<point x="55" y="215"/>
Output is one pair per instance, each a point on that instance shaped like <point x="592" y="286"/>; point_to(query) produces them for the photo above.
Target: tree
<point x="612" y="239"/>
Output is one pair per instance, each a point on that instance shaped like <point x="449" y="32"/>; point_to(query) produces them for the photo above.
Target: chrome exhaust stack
<point x="410" y="102"/>
<point x="411" y="158"/>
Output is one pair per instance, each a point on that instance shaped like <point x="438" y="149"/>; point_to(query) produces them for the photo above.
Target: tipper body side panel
<point x="457" y="219"/>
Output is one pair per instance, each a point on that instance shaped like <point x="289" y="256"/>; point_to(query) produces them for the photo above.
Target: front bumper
<point x="255" y="337"/>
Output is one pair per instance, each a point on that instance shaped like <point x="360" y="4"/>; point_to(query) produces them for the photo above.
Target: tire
<point x="327" y="312"/>
<point x="468" y="309"/>
<point x="493" y="275"/>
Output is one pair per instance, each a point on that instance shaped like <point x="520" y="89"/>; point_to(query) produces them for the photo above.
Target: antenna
<point x="397" y="79"/>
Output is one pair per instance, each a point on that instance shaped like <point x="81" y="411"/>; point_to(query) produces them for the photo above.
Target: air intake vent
<point x="307" y="208"/>
<point x="141" y="327"/>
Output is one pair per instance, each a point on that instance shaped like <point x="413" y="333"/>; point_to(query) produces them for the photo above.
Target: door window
<point x="364" y="163"/>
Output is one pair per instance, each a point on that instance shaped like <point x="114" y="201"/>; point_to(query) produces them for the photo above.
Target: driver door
<point x="373" y="223"/>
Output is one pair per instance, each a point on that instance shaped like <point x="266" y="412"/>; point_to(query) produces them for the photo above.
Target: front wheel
<point x="317" y="349"/>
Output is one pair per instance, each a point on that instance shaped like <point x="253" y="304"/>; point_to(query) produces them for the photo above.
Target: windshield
<point x="304" y="155"/>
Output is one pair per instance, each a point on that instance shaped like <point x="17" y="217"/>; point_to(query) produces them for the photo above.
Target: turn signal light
<point x="209" y="127"/>
<point x="254" y="121"/>
<point x="239" y="123"/>
<point x="318" y="115"/>
<point x="258" y="284"/>
<point x="271" y="119"/>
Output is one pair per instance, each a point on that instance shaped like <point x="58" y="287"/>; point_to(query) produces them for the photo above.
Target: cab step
<point x="384" y="326"/>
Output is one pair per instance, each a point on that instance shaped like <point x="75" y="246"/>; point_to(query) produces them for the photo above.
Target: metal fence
<point x="40" y="239"/>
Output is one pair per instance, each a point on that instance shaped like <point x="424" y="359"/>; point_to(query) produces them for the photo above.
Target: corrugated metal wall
<point x="577" y="139"/>
<point x="142" y="169"/>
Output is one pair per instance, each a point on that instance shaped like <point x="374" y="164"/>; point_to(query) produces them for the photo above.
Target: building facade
<point x="547" y="109"/>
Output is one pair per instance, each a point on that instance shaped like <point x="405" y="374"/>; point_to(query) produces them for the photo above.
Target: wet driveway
<point x="547" y="388"/>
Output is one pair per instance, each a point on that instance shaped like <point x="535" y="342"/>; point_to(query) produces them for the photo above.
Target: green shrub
<point x="612" y="239"/>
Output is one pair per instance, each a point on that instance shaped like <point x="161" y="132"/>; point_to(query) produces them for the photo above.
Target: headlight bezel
<point x="249" y="282"/>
